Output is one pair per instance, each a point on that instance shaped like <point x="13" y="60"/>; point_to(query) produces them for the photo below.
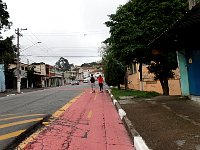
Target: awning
<point x="184" y="33"/>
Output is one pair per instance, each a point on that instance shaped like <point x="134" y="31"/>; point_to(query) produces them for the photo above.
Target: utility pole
<point x="18" y="61"/>
<point x="18" y="65"/>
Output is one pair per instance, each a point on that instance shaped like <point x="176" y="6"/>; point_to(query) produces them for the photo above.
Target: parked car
<point x="75" y="82"/>
<point x="85" y="81"/>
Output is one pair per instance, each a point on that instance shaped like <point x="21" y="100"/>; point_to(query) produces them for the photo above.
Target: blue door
<point x="194" y="72"/>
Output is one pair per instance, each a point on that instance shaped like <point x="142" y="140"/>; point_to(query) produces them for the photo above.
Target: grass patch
<point x="137" y="94"/>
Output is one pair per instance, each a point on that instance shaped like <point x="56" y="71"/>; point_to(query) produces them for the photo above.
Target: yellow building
<point x="148" y="83"/>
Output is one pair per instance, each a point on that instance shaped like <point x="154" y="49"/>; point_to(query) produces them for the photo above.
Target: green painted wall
<point x="183" y="73"/>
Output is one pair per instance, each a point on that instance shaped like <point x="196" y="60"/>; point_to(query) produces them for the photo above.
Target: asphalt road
<point x="19" y="112"/>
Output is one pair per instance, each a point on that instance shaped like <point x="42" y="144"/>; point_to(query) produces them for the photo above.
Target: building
<point x="23" y="75"/>
<point x="183" y="38"/>
<point x="148" y="82"/>
<point x="86" y="71"/>
<point x="55" y="76"/>
<point x="69" y="75"/>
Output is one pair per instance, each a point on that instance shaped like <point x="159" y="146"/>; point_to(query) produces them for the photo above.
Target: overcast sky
<point x="64" y="28"/>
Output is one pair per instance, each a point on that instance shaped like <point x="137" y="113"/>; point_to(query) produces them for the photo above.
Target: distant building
<point x="68" y="75"/>
<point x="86" y="71"/>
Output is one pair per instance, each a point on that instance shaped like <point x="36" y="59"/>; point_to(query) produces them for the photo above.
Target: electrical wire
<point x="57" y="56"/>
<point x="32" y="37"/>
<point x="70" y="33"/>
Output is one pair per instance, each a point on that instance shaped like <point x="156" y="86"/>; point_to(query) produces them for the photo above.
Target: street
<point x="89" y="121"/>
<point x="19" y="112"/>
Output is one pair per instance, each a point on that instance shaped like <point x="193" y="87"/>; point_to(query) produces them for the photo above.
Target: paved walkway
<point x="91" y="122"/>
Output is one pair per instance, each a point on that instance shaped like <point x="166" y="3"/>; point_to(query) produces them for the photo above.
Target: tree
<point x="162" y="67"/>
<point x="92" y="64"/>
<point x="31" y="76"/>
<point x="7" y="49"/>
<point x="7" y="56"/>
<point x="6" y="46"/>
<point x="136" y="24"/>
<point x="114" y="70"/>
<point x="114" y="73"/>
<point x="4" y="22"/>
<point x="63" y="64"/>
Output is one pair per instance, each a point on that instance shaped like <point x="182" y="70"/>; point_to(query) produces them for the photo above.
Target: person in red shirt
<point x="100" y="81"/>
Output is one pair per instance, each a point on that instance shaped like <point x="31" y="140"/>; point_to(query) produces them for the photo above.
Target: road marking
<point x="16" y="117"/>
<point x="95" y="97"/>
<point x="7" y="115"/>
<point x="65" y="107"/>
<point x="89" y="114"/>
<point x="19" y="122"/>
<point x="10" y="135"/>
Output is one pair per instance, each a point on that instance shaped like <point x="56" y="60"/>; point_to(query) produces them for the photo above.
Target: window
<point x="130" y="69"/>
<point x="134" y="68"/>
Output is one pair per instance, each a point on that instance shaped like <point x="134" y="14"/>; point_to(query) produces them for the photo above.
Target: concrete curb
<point x="137" y="140"/>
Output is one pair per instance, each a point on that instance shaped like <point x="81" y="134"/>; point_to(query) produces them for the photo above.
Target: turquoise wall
<point x="183" y="73"/>
<point x="2" y="78"/>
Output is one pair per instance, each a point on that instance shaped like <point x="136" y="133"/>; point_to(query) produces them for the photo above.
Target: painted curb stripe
<point x="139" y="143"/>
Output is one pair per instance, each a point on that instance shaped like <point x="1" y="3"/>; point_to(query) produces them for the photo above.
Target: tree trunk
<point x="165" y="86"/>
<point x="126" y="80"/>
<point x="141" y="79"/>
<point x="118" y="86"/>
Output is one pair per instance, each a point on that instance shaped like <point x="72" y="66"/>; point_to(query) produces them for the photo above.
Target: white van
<point x="85" y="80"/>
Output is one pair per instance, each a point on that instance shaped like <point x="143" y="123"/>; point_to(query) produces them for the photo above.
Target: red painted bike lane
<point x="90" y="123"/>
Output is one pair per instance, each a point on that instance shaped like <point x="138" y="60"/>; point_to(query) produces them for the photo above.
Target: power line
<point x="34" y="38"/>
<point x="73" y="47"/>
<point x="70" y="34"/>
<point x="56" y="56"/>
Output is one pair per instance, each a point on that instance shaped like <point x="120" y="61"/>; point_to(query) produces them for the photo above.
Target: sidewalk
<point x="91" y="122"/>
<point x="14" y="91"/>
<point x="165" y="122"/>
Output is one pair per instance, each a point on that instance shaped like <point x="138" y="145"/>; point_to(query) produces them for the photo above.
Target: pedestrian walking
<point x="100" y="81"/>
<point x="92" y="80"/>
